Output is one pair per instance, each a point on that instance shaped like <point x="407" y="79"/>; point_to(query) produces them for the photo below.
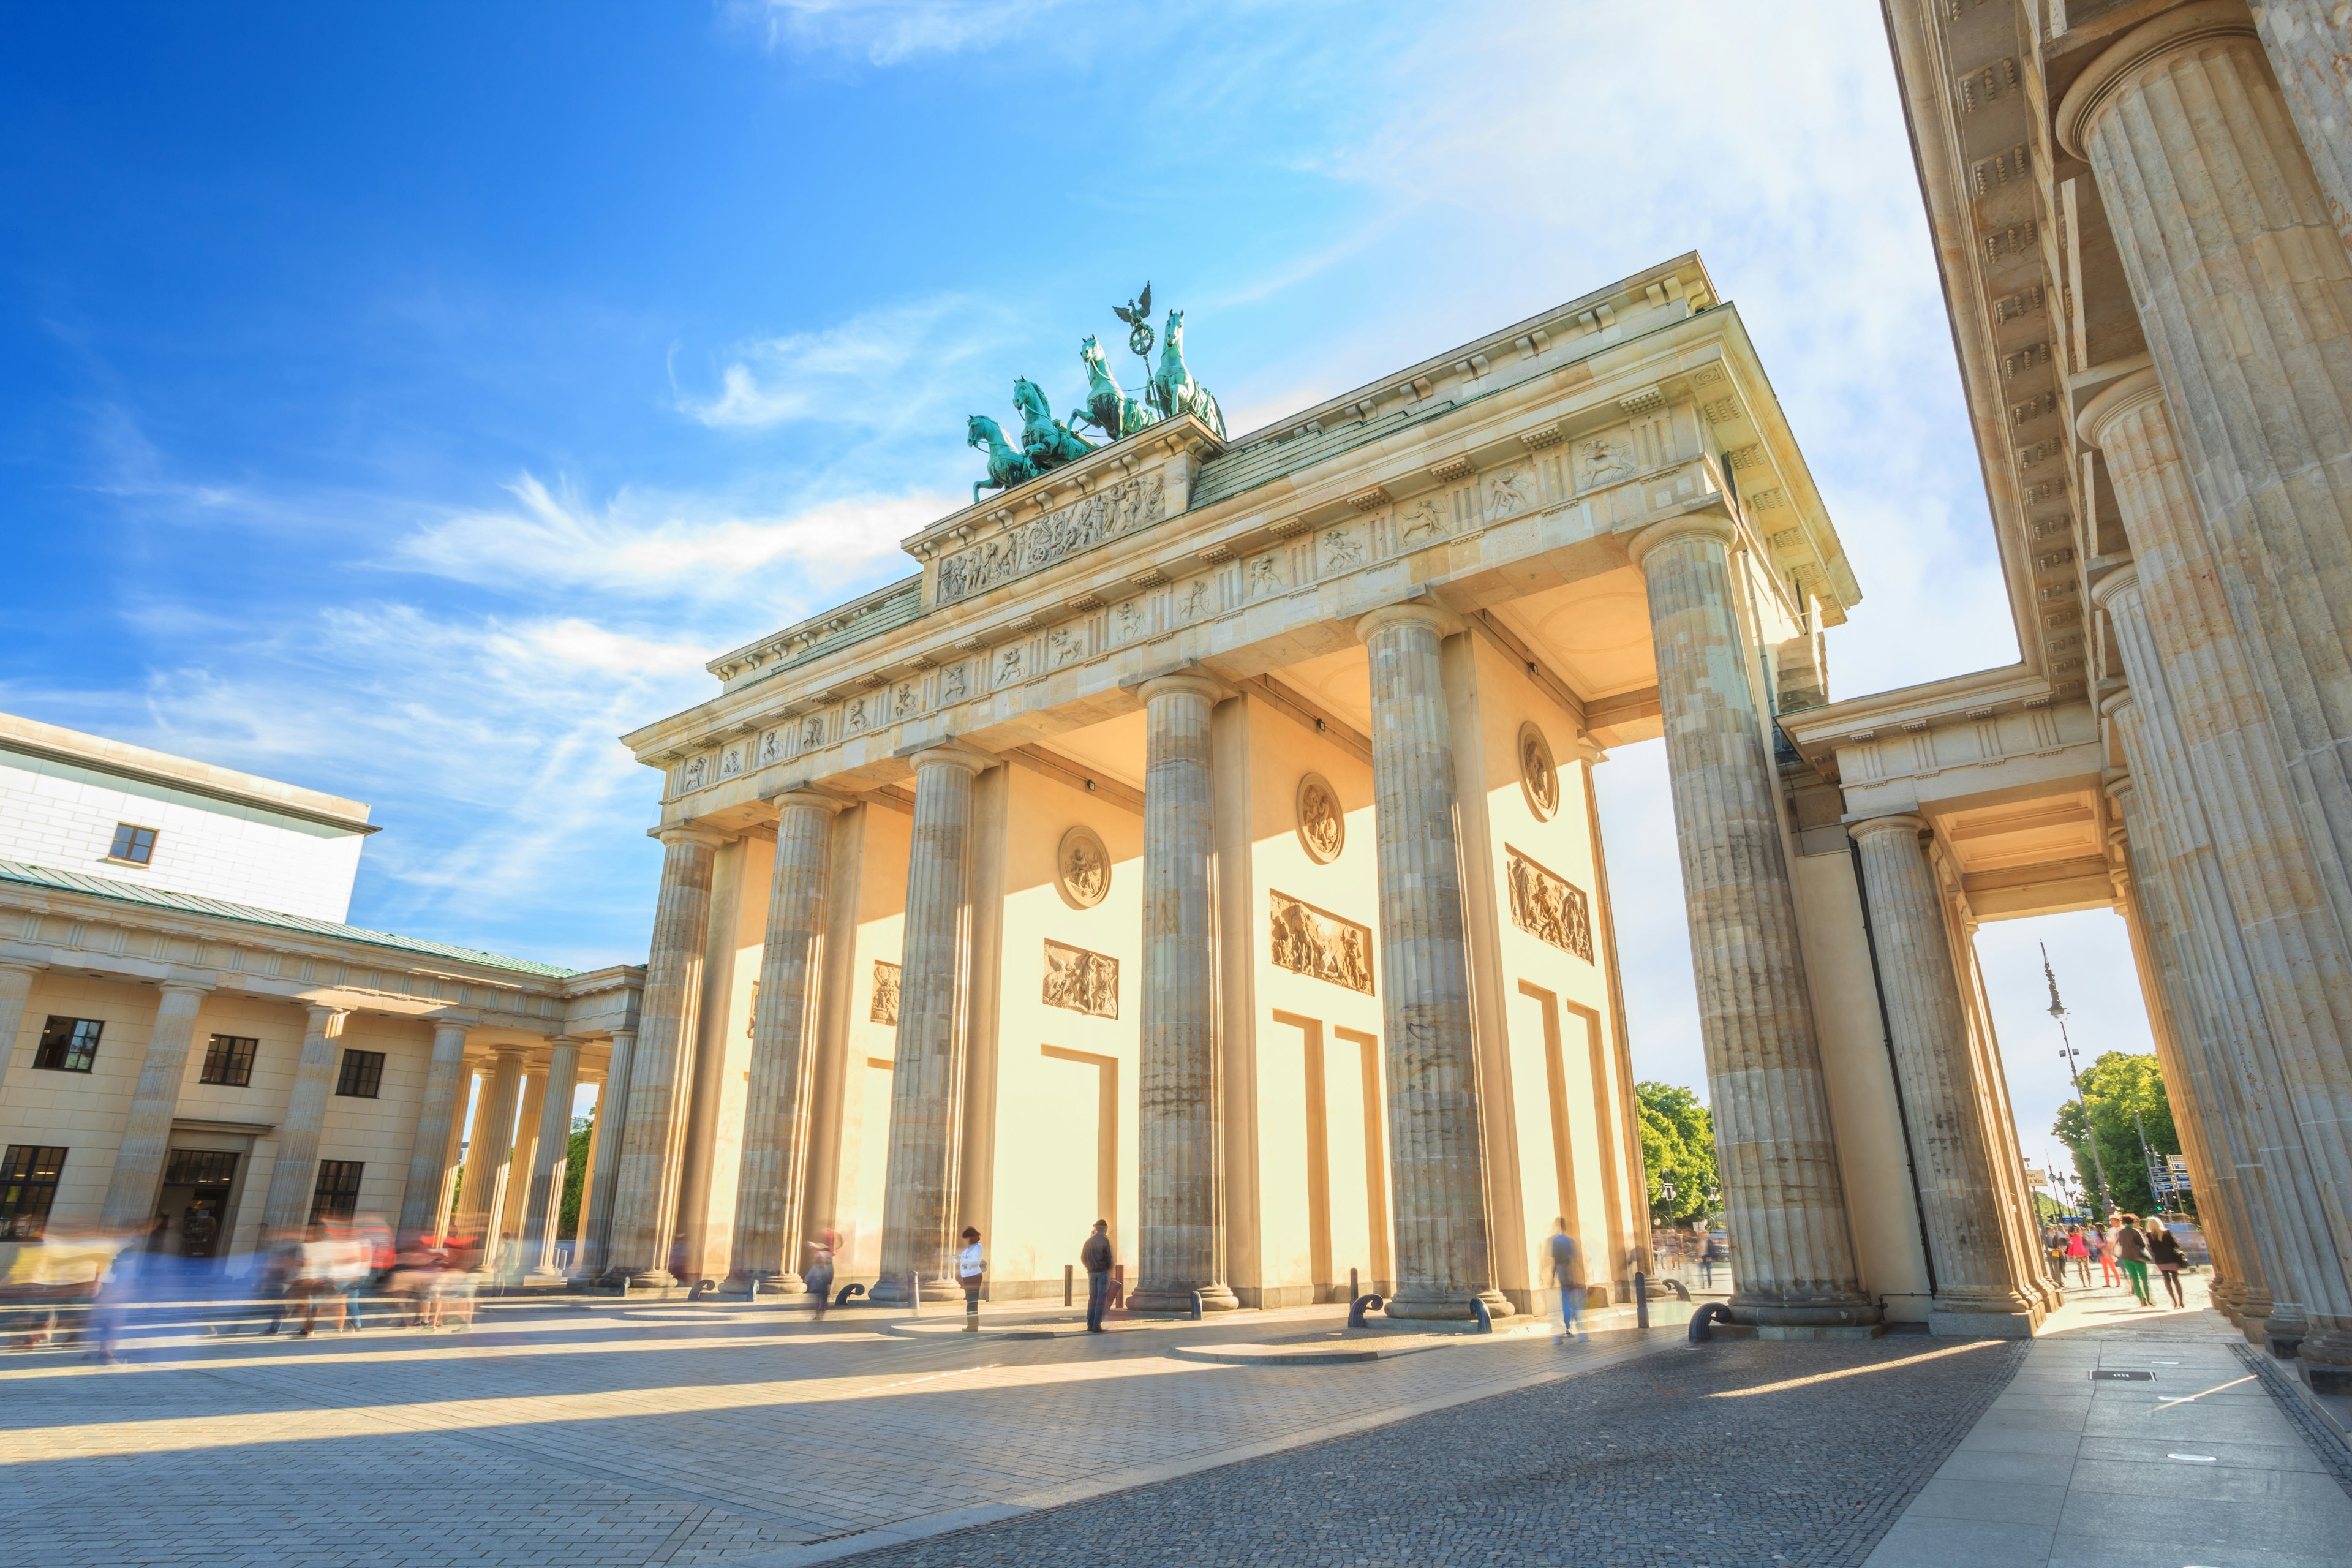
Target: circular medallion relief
<point x="1322" y="825"/>
<point x="1082" y="868"/>
<point x="1538" y="776"/>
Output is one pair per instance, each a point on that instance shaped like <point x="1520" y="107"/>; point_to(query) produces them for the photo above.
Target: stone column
<point x="605" y="1176"/>
<point x="919" y="1214"/>
<point x="1181" y="1235"/>
<point x="594" y="1167"/>
<point x="1444" y="1255"/>
<point x="294" y="1174"/>
<point x="514" y="1201"/>
<point x="1952" y="1148"/>
<point x="15" y="996"/>
<point x="147" y="1136"/>
<point x="428" y="1150"/>
<point x="661" y="1075"/>
<point x="2214" y="761"/>
<point x="772" y="1186"/>
<point x="482" y="1195"/>
<point x="1794" y="1267"/>
<point x="453" y="1156"/>
<point x="2310" y="46"/>
<point x="550" y="1162"/>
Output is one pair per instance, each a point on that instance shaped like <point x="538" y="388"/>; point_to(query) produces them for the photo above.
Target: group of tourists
<point x="2122" y="1250"/>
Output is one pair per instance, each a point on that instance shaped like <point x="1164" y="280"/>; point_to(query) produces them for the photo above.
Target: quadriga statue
<point x="1108" y="409"/>
<point x="1173" y="390"/>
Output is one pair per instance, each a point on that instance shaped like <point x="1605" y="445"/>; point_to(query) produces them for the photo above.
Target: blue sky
<point x="404" y="401"/>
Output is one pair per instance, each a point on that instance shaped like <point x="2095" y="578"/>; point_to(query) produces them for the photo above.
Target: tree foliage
<point x="1678" y="1147"/>
<point x="575" y="1175"/>
<point x="2115" y="1086"/>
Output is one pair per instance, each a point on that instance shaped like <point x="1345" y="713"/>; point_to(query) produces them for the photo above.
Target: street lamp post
<point x="2058" y="1012"/>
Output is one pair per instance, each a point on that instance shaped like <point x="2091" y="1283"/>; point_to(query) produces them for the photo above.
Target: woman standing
<point x="2131" y="1255"/>
<point x="972" y="1271"/>
<point x="2103" y="1254"/>
<point x="2165" y="1249"/>
<point x="2079" y="1251"/>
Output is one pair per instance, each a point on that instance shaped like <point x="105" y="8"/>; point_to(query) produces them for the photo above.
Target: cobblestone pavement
<point x="652" y="1434"/>
<point x="1732" y="1453"/>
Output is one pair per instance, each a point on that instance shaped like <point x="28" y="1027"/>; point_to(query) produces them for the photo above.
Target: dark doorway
<point x="195" y="1202"/>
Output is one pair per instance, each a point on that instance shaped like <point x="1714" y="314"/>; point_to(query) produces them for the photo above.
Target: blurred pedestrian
<point x="820" y="1274"/>
<point x="2164" y="1250"/>
<point x="2101" y="1254"/>
<point x="1097" y="1255"/>
<point x="282" y="1270"/>
<point x="971" y="1272"/>
<point x="2131" y="1256"/>
<point x="1568" y="1273"/>
<point x="2078" y="1249"/>
<point x="315" y="1282"/>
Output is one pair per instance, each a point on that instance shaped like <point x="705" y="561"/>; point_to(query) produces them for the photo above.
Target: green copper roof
<point x="1252" y="466"/>
<point x="220" y="908"/>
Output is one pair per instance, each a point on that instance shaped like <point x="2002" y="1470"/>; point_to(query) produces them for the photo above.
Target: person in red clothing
<point x="2079" y="1251"/>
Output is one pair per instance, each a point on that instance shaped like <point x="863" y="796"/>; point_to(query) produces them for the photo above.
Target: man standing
<point x="1096" y="1256"/>
<point x="1568" y="1272"/>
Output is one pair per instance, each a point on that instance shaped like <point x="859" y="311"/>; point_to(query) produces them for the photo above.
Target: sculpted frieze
<point x="1107" y="513"/>
<point x="885" y="1009"/>
<point x="1081" y="980"/>
<point x="1318" y="943"/>
<point x="1549" y="907"/>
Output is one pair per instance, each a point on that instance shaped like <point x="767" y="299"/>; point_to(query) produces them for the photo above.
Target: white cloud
<point x="881" y="369"/>
<point x="889" y="32"/>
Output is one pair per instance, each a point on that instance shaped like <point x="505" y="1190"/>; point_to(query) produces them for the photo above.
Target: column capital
<point x="29" y="965"/>
<point x="201" y="987"/>
<point x="676" y="833"/>
<point x="1710" y="524"/>
<point x="800" y="797"/>
<point x="1592" y="751"/>
<point x="1199" y="682"/>
<point x="2126" y="394"/>
<point x="1903" y="822"/>
<point x="954" y="754"/>
<point x="1420" y="611"/>
<point x="2144" y="47"/>
<point x="328" y="1021"/>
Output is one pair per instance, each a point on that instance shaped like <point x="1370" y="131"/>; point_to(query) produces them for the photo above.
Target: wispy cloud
<point x="889" y="32"/>
<point x="877" y="369"/>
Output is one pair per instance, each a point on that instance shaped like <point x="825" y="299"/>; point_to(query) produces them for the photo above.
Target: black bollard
<point x="1356" y="1309"/>
<point x="1641" y="1300"/>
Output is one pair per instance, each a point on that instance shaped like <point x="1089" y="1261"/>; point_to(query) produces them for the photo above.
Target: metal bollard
<point x="847" y="1292"/>
<point x="1069" y="1285"/>
<point x="915" y="1294"/>
<point x="1485" y="1319"/>
<point x="1196" y="1306"/>
<point x="1711" y="1312"/>
<point x="1641" y="1300"/>
<point x="1356" y="1308"/>
<point x="1354" y="1290"/>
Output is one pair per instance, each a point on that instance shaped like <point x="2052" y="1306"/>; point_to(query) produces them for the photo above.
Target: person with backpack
<point x="2131" y="1256"/>
<point x="1568" y="1272"/>
<point x="1097" y="1255"/>
<point x="2164" y="1250"/>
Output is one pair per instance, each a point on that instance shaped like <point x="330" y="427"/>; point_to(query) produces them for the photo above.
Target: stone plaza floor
<point x="557" y="1432"/>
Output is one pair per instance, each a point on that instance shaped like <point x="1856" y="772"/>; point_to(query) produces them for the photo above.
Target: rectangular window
<point x="200" y="1168"/>
<point x="336" y="1195"/>
<point x="136" y="844"/>
<point x="361" y="1076"/>
<point x="229" y="1060"/>
<point x="68" y="1045"/>
<point x="28" y="1184"/>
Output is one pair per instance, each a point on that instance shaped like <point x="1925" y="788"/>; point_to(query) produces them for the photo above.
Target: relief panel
<point x="1316" y="942"/>
<point x="1081" y="980"/>
<point x="1549" y="907"/>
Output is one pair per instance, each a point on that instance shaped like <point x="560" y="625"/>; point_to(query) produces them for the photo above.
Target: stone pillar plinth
<point x="772" y="1186"/>
<point x="489" y="1150"/>
<point x="661" y="1069"/>
<point x="1444" y="1257"/>
<point x="604" y="1177"/>
<point x="294" y="1172"/>
<point x="445" y="1080"/>
<point x="2254" y="888"/>
<point x="550" y="1162"/>
<point x="137" y="1172"/>
<point x="1952" y="1144"/>
<point x="1180" y="1221"/>
<point x="920" y="1214"/>
<point x="1794" y="1267"/>
<point x="16" y="996"/>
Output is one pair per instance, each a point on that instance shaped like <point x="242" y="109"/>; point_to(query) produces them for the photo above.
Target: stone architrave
<point x="1952" y="1147"/>
<point x="15" y="995"/>
<point x="481" y="1195"/>
<point x="1773" y="1142"/>
<point x="2243" y="288"/>
<point x="147" y="1136"/>
<point x="1437" y="1162"/>
<point x="428" y="1165"/>
<point x="550" y="1161"/>
<point x="661" y="1069"/>
<point x="1180" y="1133"/>
<point x="2215" y="764"/>
<point x="773" y="1181"/>
<point x="294" y="1174"/>
<point x="605" y="1176"/>
<point x="920" y="1212"/>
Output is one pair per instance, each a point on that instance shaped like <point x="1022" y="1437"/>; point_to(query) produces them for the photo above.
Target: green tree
<point x="575" y="1175"/>
<point x="2115" y="1086"/>
<point x="1678" y="1147"/>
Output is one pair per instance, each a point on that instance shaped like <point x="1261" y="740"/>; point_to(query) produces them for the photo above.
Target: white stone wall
<point x="63" y="815"/>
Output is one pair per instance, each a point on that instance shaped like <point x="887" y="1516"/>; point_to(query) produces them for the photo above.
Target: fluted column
<point x="147" y="1136"/>
<point x="604" y="1175"/>
<point x="1436" y="1157"/>
<point x="551" y="1161"/>
<point x="919" y="1214"/>
<point x="1180" y="1221"/>
<point x="453" y="1157"/>
<point x="514" y="1201"/>
<point x="2233" y="816"/>
<point x="1773" y="1142"/>
<point x="428" y="1150"/>
<point x="593" y="1166"/>
<point x="488" y="1150"/>
<point x="294" y="1172"/>
<point x="1952" y="1147"/>
<point x="2310" y="46"/>
<point x="773" y="1181"/>
<point x="15" y="996"/>
<point x="661" y="1076"/>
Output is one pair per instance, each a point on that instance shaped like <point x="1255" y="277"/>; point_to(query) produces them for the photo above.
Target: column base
<point x="1424" y="1306"/>
<point x="1977" y="1323"/>
<point x="2327" y="1355"/>
<point x="754" y="1286"/>
<point x="893" y="1292"/>
<point x="642" y="1279"/>
<point x="1216" y="1298"/>
<point x="1764" y="1313"/>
